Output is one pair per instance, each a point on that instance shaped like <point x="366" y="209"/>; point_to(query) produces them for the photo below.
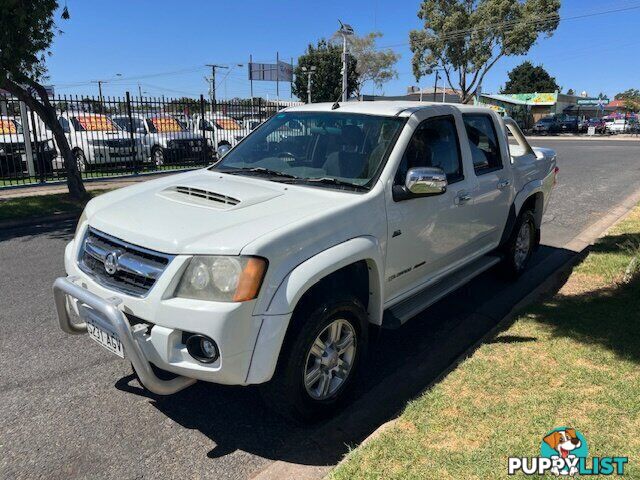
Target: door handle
<point x="502" y="184"/>
<point x="462" y="198"/>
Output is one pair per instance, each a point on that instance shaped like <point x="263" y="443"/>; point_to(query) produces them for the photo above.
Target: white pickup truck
<point x="271" y="266"/>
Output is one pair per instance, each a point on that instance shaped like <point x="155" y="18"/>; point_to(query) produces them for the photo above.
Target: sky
<point x="163" y="46"/>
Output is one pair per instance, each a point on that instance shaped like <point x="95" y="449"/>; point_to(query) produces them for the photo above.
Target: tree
<point x="465" y="38"/>
<point x="630" y="94"/>
<point x="571" y="91"/>
<point x="372" y="65"/>
<point x="326" y="81"/>
<point x="525" y="78"/>
<point x="27" y="29"/>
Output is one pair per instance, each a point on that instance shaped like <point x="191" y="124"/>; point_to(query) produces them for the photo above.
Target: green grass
<point x="573" y="360"/>
<point x="42" y="205"/>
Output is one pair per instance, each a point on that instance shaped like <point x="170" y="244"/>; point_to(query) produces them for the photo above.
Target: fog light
<point x="202" y="348"/>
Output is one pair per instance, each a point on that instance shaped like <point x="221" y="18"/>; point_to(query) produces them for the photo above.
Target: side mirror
<point x="426" y="181"/>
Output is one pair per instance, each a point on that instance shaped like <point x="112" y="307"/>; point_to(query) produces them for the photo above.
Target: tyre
<point x="157" y="156"/>
<point x="320" y="359"/>
<point x="81" y="160"/>
<point x="520" y="246"/>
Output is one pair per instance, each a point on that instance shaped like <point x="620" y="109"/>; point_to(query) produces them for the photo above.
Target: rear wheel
<point x="521" y="245"/>
<point x="320" y="360"/>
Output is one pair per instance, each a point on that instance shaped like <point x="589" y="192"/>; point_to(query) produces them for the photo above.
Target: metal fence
<point x="115" y="136"/>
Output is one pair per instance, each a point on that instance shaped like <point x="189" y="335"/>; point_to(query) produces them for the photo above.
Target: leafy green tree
<point x="466" y="38"/>
<point x="631" y="98"/>
<point x="631" y="93"/>
<point x="372" y="64"/>
<point x="27" y="28"/>
<point x="326" y="81"/>
<point x="527" y="78"/>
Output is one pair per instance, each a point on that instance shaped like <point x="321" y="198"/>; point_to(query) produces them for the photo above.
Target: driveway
<point x="72" y="410"/>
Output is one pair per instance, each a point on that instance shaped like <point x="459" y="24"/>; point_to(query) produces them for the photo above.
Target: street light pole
<point x="100" y="82"/>
<point x="345" y="30"/>
<point x="309" y="72"/>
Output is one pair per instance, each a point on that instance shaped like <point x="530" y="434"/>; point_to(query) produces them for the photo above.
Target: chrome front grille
<point x="118" y="265"/>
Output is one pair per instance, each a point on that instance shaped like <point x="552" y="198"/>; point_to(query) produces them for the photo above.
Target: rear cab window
<point x="483" y="141"/>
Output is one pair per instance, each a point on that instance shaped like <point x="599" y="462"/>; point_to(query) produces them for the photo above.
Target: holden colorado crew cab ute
<point x="270" y="266"/>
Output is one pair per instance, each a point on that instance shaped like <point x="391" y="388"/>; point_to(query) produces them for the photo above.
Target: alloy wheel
<point x="330" y="360"/>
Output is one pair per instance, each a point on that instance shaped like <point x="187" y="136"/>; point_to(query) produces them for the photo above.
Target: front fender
<point x="276" y="311"/>
<point x="310" y="272"/>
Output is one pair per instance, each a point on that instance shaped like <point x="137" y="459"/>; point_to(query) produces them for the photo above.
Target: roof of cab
<point x="386" y="108"/>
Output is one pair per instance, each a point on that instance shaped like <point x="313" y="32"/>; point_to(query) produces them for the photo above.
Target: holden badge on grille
<point x="111" y="263"/>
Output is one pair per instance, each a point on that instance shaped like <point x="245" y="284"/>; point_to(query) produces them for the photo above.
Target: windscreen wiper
<point x="262" y="170"/>
<point x="332" y="181"/>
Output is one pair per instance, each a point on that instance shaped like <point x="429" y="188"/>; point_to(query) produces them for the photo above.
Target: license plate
<point x="107" y="339"/>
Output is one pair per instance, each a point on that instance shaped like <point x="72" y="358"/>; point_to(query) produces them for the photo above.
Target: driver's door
<point x="428" y="236"/>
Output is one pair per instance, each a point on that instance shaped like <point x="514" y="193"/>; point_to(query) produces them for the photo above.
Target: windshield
<point x="123" y="123"/>
<point x="344" y="147"/>
<point x="9" y="126"/>
<point x="94" y="123"/>
<point x="545" y="120"/>
<point x="164" y="125"/>
<point x="223" y="123"/>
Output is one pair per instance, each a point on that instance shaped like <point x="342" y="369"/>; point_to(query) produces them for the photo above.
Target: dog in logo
<point x="563" y="442"/>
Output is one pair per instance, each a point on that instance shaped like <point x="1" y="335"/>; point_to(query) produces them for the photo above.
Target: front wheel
<point x="320" y="360"/>
<point x="157" y="156"/>
<point x="521" y="245"/>
<point x="81" y="160"/>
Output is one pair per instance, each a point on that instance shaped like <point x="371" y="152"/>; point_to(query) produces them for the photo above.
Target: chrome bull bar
<point x="105" y="313"/>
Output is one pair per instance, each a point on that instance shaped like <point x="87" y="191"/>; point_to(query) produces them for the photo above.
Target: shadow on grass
<point x="608" y="317"/>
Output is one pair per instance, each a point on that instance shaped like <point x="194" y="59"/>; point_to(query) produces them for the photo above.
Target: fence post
<point x="131" y="134"/>
<point x="26" y="135"/>
<point x="204" y="138"/>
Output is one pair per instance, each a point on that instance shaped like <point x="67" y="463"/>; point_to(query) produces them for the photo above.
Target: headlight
<point x="222" y="278"/>
<point x="83" y="218"/>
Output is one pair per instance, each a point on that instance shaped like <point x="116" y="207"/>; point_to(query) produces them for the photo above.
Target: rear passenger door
<point x="494" y="190"/>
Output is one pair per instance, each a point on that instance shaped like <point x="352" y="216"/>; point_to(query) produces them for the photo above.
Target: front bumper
<point x="106" y="314"/>
<point x="249" y="344"/>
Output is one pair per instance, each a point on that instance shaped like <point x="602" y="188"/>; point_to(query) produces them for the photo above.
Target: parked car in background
<point x="221" y="131"/>
<point x="546" y="125"/>
<point x="165" y="138"/>
<point x="13" y="150"/>
<point x="95" y="140"/>
<point x="597" y="123"/>
<point x="619" y="125"/>
<point x="270" y="267"/>
<point x="568" y="124"/>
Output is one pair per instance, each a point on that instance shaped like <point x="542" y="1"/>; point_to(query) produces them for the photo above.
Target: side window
<point x="434" y="144"/>
<point x="483" y="140"/>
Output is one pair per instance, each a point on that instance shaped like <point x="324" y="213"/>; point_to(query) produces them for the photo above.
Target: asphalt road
<point x="69" y="409"/>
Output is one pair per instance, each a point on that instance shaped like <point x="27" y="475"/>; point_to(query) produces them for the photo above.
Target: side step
<point x="395" y="316"/>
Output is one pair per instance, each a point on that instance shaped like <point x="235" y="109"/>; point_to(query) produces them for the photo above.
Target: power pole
<point x="435" y="85"/>
<point x="212" y="87"/>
